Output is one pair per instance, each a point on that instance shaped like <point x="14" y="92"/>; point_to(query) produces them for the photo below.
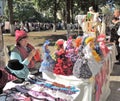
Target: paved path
<point x="115" y="84"/>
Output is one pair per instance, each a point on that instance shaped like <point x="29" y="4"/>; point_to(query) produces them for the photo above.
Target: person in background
<point x="116" y="16"/>
<point x="25" y="52"/>
<point x="114" y="31"/>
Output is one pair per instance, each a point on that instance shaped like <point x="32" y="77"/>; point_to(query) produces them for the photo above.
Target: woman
<point x="114" y="35"/>
<point x="25" y="52"/>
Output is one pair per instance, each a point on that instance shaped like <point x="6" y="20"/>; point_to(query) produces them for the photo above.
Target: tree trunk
<point x="68" y="11"/>
<point x="55" y="10"/>
<point x="2" y="58"/>
<point x="71" y="7"/>
<point x="11" y="19"/>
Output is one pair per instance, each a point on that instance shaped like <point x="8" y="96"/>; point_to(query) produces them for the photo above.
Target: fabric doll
<point x="78" y="42"/>
<point x="81" y="68"/>
<point x="71" y="50"/>
<point x="47" y="63"/>
<point x="91" y="40"/>
<point x="63" y="65"/>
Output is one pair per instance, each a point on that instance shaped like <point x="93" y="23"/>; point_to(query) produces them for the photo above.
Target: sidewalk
<point x="115" y="84"/>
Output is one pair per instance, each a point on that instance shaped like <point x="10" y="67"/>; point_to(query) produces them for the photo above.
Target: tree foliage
<point x="43" y="10"/>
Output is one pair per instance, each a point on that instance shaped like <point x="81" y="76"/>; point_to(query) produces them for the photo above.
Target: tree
<point x="68" y="11"/>
<point x="48" y="5"/>
<point x="11" y="18"/>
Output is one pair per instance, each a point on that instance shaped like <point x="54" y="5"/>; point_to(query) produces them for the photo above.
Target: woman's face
<point x="23" y="42"/>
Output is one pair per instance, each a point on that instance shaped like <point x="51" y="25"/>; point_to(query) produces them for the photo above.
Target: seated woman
<point x="25" y="52"/>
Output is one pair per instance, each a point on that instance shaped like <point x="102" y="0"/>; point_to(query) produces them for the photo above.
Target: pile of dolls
<point x="81" y="57"/>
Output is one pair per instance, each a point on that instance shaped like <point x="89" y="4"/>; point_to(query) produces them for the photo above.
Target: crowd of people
<point x="33" y="26"/>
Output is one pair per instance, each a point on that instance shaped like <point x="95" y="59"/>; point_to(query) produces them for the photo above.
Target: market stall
<point x="95" y="88"/>
<point x="74" y="73"/>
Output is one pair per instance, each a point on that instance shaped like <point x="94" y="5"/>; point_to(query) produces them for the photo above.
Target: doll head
<point x="69" y="43"/>
<point x="59" y="43"/>
<point x="45" y="46"/>
<point x="78" y="41"/>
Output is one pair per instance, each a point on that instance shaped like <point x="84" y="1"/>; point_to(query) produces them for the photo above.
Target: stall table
<point x="94" y="89"/>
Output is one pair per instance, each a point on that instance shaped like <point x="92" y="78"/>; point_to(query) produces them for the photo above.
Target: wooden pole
<point x="2" y="62"/>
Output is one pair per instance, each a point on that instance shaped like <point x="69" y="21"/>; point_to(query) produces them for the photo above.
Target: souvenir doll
<point x="91" y="42"/>
<point x="63" y="64"/>
<point x="47" y="63"/>
<point x="78" y="42"/>
<point x="71" y="50"/>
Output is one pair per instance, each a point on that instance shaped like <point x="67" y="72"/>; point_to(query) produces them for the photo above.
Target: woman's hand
<point x="31" y="54"/>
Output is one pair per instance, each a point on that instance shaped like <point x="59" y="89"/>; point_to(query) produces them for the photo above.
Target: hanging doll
<point x="103" y="47"/>
<point x="47" y="63"/>
<point x="63" y="65"/>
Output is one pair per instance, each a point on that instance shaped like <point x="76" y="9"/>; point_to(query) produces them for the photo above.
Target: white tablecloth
<point x="88" y="87"/>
